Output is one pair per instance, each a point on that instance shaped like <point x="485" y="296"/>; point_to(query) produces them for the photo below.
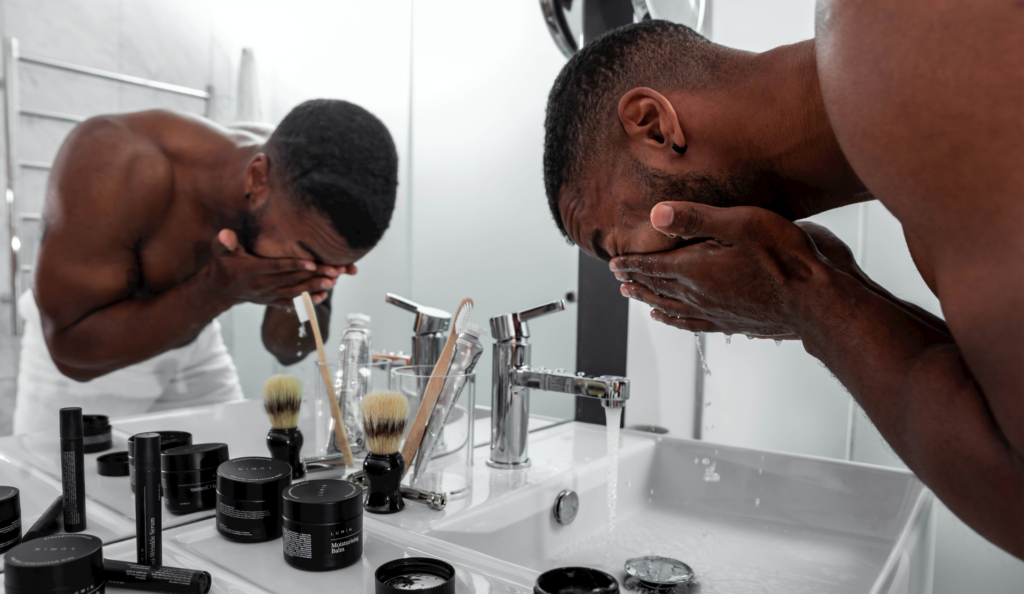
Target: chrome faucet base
<point x="509" y="465"/>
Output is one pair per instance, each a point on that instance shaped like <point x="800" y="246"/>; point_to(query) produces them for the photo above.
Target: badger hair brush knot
<point x="384" y="417"/>
<point x="282" y="398"/>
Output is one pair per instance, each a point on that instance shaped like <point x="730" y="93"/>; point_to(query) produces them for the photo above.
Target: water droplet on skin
<point x="757" y="502"/>
<point x="759" y="471"/>
<point x="652" y="492"/>
<point x="728" y="339"/>
<point x="705" y="461"/>
<point x="696" y="460"/>
<point x="298" y="354"/>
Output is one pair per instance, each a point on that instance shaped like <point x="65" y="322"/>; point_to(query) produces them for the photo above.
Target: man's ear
<point x="651" y="125"/>
<point x="257" y="180"/>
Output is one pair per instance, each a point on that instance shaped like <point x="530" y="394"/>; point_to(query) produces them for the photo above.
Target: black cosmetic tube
<point x="72" y="468"/>
<point x="48" y="523"/>
<point x="148" y="510"/>
<point x="122" y="574"/>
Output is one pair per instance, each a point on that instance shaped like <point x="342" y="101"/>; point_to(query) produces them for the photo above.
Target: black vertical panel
<point x="600" y="16"/>
<point x="602" y="322"/>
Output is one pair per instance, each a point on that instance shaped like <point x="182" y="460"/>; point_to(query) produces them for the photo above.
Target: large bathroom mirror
<point x="471" y="218"/>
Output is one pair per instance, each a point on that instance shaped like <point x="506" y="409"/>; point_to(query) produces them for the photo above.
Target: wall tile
<point x="166" y="41"/>
<point x="71" y="30"/>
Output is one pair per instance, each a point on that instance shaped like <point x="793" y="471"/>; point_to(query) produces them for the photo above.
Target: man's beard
<point x="249" y="230"/>
<point x="704" y="188"/>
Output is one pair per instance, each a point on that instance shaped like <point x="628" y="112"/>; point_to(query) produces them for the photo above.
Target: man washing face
<point x="683" y="163"/>
<point x="158" y="222"/>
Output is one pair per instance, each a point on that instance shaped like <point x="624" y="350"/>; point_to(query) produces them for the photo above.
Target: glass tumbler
<point x="444" y="460"/>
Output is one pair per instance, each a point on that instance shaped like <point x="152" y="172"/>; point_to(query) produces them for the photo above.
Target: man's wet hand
<point x="238" y="276"/>
<point x="740" y="280"/>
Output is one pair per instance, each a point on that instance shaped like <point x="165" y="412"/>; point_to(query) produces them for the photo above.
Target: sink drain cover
<point x="659" y="572"/>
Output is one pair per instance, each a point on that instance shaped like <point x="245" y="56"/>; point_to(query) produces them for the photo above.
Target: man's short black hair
<point x="583" y="104"/>
<point x="339" y="159"/>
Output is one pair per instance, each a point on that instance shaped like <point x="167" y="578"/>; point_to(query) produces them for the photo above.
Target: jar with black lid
<point x="188" y="476"/>
<point x="249" y="498"/>
<point x="96" y="434"/>
<point x="323" y="524"/>
<point x="10" y="518"/>
<point x="56" y="564"/>
<point x="168" y="440"/>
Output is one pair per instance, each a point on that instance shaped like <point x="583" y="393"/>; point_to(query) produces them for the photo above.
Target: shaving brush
<point x="384" y="416"/>
<point x="282" y="397"/>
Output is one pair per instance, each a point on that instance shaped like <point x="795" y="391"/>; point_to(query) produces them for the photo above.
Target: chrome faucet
<point x="513" y="377"/>
<point x="429" y="332"/>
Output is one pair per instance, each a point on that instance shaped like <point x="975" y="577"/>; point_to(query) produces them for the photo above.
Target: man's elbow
<point x="79" y="374"/>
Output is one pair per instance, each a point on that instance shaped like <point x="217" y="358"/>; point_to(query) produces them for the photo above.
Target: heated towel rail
<point x="12" y="114"/>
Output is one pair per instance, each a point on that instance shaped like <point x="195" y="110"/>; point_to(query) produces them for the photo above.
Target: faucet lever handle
<point x="542" y="310"/>
<point x="403" y="303"/>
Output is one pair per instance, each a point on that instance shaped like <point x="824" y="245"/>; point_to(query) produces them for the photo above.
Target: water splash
<point x="728" y="339"/>
<point x="778" y="342"/>
<point x="302" y="330"/>
<point x="710" y="476"/>
<point x="700" y="351"/>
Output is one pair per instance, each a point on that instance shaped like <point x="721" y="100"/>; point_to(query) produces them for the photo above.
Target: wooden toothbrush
<point x="340" y="435"/>
<point x="433" y="390"/>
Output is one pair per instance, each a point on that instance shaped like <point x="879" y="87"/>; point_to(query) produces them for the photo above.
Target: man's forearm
<point x="912" y="382"/>
<point x="133" y="331"/>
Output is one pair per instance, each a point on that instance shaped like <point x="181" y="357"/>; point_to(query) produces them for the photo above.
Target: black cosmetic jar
<point x="55" y="564"/>
<point x="323" y="524"/>
<point x="168" y="440"/>
<point x="10" y="518"/>
<point x="188" y="476"/>
<point x="422" y="574"/>
<point x="96" y="435"/>
<point x="573" y="580"/>
<point x="249" y="498"/>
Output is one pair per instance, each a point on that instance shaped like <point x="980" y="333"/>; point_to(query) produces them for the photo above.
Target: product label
<point x="69" y="474"/>
<point x="241" y="514"/>
<point x="258" y="520"/>
<point x="297" y="544"/>
<point x="163" y="575"/>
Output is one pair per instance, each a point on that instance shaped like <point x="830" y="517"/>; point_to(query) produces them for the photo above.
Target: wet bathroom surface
<point x="745" y="520"/>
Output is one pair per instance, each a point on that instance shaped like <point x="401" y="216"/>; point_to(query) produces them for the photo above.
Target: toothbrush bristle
<point x="462" y="318"/>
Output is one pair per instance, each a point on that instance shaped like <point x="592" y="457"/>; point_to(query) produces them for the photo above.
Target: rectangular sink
<point x="745" y="520"/>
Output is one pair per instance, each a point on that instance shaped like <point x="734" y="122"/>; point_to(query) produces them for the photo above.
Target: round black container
<point x="188" y="475"/>
<point x="112" y="464"/>
<point x="55" y="564"/>
<point x="168" y="440"/>
<point x="422" y="574"/>
<point x="10" y="518"/>
<point x="570" y="580"/>
<point x="249" y="498"/>
<point x="323" y="524"/>
<point x="96" y="436"/>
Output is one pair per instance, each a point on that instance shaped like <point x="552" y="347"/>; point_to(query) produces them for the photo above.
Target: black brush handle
<point x="384" y="483"/>
<point x="286" y="445"/>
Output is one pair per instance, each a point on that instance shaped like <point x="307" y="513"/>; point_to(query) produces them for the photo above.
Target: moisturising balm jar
<point x="188" y="475"/>
<point x="10" y="518"/>
<point x="249" y="498"/>
<point x="55" y="564"/>
<point x="323" y="524"/>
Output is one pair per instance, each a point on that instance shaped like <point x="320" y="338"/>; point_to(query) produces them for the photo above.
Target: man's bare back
<point x="135" y="259"/>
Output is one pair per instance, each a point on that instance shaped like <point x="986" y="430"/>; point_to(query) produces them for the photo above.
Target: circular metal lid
<point x="324" y="501"/>
<point x="194" y="457"/>
<point x="253" y="479"/>
<point x="53" y="562"/>
<point x="113" y="464"/>
<point x="658" y="572"/>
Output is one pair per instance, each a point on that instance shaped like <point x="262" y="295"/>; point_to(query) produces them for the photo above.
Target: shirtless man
<point x="158" y="222"/>
<point x="698" y="157"/>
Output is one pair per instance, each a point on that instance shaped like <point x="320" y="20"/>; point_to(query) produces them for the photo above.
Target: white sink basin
<point x="769" y="523"/>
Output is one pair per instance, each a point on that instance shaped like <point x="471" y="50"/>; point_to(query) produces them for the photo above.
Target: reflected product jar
<point x="10" y="518"/>
<point x="168" y="440"/>
<point x="188" y="475"/>
<point x="323" y="524"/>
<point x="55" y="564"/>
<point x="249" y="498"/>
<point x="96" y="434"/>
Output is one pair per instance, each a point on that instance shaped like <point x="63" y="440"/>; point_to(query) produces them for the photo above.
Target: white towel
<point x="201" y="372"/>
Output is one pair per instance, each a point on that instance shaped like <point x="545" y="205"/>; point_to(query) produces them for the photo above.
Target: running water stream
<point x="612" y="418"/>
